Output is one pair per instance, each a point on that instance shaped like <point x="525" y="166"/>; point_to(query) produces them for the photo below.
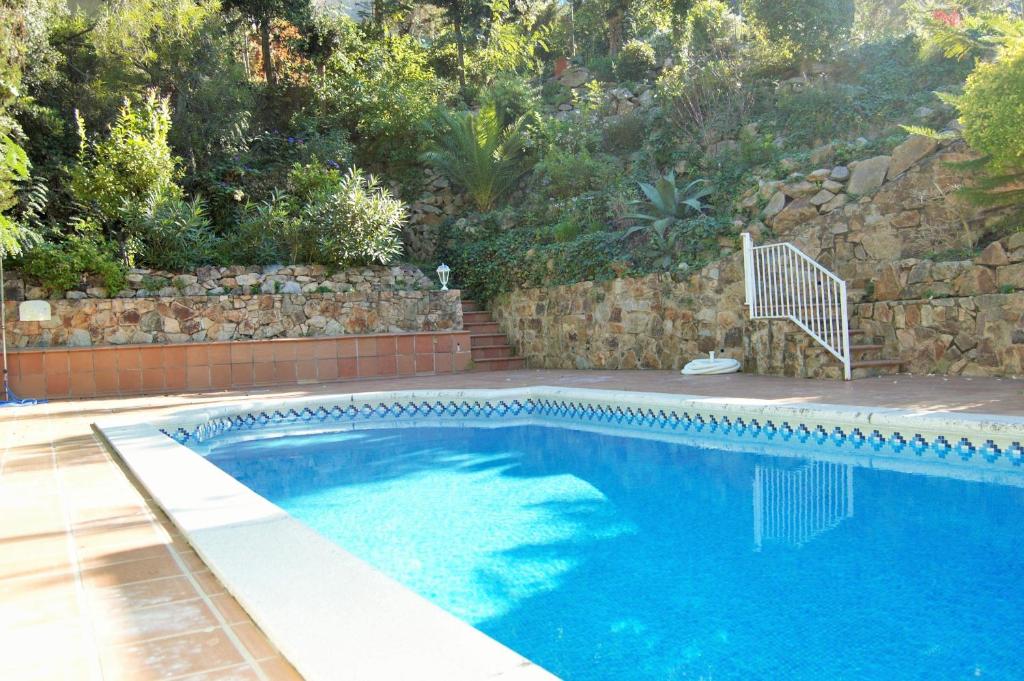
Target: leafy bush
<point x="477" y="154"/>
<point x="511" y="97"/>
<point x="563" y="174"/>
<point x="63" y="265"/>
<point x="513" y="259"/>
<point x="383" y="92"/>
<point x="173" y="234"/>
<point x="819" y="112"/>
<point x="705" y="99"/>
<point x="625" y="133"/>
<point x="711" y="29"/>
<point x="635" y="60"/>
<point x="813" y="28"/>
<point x="132" y="165"/>
<point x="260" y="237"/>
<point x="355" y="223"/>
<point x="992" y="109"/>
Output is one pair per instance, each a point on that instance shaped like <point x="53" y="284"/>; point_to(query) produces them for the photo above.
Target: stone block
<point x="869" y="175"/>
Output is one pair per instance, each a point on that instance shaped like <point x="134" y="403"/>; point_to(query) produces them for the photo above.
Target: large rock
<point x="574" y="76"/>
<point x="795" y="214"/>
<point x="821" y="198"/>
<point x="775" y="205"/>
<point x="910" y="152"/>
<point x="994" y="256"/>
<point x="868" y="175"/>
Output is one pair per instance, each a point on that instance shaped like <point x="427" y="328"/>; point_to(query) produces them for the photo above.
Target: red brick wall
<point x="140" y="369"/>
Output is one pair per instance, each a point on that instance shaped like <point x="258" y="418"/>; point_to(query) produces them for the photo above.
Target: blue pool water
<point x="606" y="557"/>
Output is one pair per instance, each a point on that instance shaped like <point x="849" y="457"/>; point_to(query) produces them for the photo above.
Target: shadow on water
<point x="604" y="557"/>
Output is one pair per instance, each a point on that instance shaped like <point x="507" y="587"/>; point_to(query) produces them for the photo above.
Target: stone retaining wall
<point x="953" y="317"/>
<point x="235" y="280"/>
<point x="186" y="319"/>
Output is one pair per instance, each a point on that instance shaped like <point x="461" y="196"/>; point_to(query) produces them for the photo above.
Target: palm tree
<point x="477" y="154"/>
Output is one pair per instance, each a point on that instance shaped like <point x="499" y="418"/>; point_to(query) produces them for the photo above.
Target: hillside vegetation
<point x="580" y="140"/>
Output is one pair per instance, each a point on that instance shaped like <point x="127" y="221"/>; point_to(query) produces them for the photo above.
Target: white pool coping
<point x="333" y="616"/>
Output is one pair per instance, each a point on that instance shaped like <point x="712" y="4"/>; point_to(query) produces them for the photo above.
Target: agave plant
<point x="666" y="206"/>
<point x="475" y="152"/>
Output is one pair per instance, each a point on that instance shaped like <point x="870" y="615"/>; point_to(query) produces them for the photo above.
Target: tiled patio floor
<point x="96" y="584"/>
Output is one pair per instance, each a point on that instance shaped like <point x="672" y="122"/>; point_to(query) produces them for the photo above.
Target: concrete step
<point x="875" y="363"/>
<point x="481" y="327"/>
<point x="865" y="347"/>
<point x="483" y="340"/>
<point x="493" y="352"/>
<point x="499" y="364"/>
<point x="476" y="317"/>
<point x="470" y="306"/>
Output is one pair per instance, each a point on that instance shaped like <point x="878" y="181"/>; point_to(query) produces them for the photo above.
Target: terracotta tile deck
<point x="95" y="583"/>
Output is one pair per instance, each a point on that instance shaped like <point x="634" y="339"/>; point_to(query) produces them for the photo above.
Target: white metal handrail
<point x="781" y="282"/>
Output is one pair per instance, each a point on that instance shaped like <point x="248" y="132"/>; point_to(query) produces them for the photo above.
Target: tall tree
<point x="262" y="14"/>
<point x="13" y="160"/>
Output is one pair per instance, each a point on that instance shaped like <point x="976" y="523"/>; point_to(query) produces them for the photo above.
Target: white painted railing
<point x="795" y="506"/>
<point x="781" y="282"/>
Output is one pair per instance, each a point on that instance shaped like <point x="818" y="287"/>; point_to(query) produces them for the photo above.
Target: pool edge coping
<point x="227" y="524"/>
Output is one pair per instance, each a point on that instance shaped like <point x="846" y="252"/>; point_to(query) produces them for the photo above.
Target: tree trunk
<point x="615" y="19"/>
<point x="460" y="43"/>
<point x="268" y="58"/>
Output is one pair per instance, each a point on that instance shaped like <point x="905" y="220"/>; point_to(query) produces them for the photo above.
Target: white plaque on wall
<point x="34" y="311"/>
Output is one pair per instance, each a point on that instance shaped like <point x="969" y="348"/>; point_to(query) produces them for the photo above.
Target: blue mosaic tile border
<point x="769" y="431"/>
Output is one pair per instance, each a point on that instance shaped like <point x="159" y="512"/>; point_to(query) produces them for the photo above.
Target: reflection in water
<point x="603" y="557"/>
<point x="793" y="506"/>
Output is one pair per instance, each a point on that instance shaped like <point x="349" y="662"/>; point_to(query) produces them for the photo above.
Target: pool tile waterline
<point x="895" y="443"/>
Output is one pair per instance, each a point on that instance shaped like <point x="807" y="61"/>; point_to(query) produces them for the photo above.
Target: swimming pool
<point x="612" y="549"/>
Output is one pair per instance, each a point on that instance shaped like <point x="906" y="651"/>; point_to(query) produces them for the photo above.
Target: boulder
<point x="799" y="189"/>
<point x="993" y="256"/>
<point x="868" y="175"/>
<point x="574" y="76"/>
<point x="839" y="174"/>
<point x="819" y="175"/>
<point x="837" y="202"/>
<point x="910" y="152"/>
<point x="832" y="186"/>
<point x="775" y="205"/>
<point x="821" y="198"/>
<point x="793" y="215"/>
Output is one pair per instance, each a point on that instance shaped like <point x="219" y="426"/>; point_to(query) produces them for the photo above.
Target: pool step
<point x="489" y="346"/>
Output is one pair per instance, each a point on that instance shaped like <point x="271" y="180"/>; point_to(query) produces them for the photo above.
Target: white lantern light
<point x="442" y="273"/>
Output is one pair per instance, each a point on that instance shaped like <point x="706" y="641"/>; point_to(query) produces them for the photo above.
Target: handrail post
<point x="845" y="320"/>
<point x="748" y="268"/>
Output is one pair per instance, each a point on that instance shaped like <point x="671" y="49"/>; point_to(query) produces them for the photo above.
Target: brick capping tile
<point x="81" y="372"/>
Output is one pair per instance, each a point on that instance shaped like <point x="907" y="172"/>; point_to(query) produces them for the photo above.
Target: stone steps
<point x="489" y="346"/>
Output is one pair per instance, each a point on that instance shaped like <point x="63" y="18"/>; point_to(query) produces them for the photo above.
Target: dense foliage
<point x="176" y="133"/>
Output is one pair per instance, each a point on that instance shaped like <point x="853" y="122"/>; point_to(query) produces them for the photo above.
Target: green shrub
<point x="818" y="113"/>
<point x="705" y="99"/>
<point x="260" y="237"/>
<point x="61" y="266"/>
<point x="511" y="97"/>
<point x="554" y="93"/>
<point x="814" y="29"/>
<point x="174" y="234"/>
<point x="356" y="223"/>
<point x="562" y="174"/>
<point x="992" y="109"/>
<point x="635" y="59"/>
<point x="383" y="92"/>
<point x="130" y="166"/>
<point x="514" y="259"/>
<point x="711" y="29"/>
<point x="626" y="133"/>
<point x="475" y="152"/>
